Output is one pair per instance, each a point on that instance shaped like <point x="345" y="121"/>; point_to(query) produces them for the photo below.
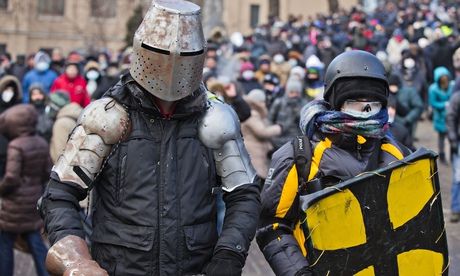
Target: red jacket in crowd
<point x="76" y="88"/>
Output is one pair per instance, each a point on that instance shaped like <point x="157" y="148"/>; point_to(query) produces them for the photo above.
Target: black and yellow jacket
<point x="334" y="158"/>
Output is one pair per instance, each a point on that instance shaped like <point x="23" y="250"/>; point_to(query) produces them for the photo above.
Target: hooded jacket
<point x="7" y="81"/>
<point x="27" y="169"/>
<point x="257" y="133"/>
<point x="438" y="99"/>
<point x="66" y="121"/>
<point x="76" y="88"/>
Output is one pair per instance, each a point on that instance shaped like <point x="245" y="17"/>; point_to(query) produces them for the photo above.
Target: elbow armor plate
<point x="101" y="125"/>
<point x="220" y="130"/>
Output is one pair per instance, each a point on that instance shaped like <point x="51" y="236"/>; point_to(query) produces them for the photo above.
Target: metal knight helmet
<point x="169" y="50"/>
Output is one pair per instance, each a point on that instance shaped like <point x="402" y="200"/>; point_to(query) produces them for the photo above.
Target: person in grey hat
<point x="285" y="111"/>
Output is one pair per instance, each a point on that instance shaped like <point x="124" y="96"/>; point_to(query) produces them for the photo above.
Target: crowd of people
<point x="267" y="77"/>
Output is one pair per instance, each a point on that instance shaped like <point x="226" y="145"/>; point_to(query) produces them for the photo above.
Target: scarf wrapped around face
<point x="317" y="116"/>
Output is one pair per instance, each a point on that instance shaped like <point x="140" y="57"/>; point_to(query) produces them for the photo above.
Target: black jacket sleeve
<point x="453" y="119"/>
<point x="241" y="215"/>
<point x="241" y="107"/>
<point x="280" y="215"/>
<point x="60" y="207"/>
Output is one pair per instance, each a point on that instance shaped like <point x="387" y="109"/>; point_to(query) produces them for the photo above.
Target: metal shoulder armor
<point x="219" y="130"/>
<point x="101" y="125"/>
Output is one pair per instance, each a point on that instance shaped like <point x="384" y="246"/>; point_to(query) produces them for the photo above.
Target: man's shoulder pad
<point x="106" y="118"/>
<point x="218" y="125"/>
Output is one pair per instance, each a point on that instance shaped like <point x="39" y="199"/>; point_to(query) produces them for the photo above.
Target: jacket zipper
<point x="160" y="200"/>
<point x="358" y="147"/>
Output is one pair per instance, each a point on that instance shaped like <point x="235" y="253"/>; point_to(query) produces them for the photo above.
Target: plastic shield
<point x="386" y="222"/>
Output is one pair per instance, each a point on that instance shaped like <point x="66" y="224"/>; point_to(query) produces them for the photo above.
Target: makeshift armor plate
<point x="387" y="222"/>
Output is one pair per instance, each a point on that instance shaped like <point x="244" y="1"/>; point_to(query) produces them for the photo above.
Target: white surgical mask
<point x="278" y="58"/>
<point x="293" y="62"/>
<point x="361" y="109"/>
<point x="248" y="75"/>
<point x="42" y="66"/>
<point x="409" y="63"/>
<point x="92" y="75"/>
<point x="7" y="95"/>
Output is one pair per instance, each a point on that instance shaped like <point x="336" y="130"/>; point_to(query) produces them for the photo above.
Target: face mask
<point x="7" y="95"/>
<point x="293" y="62"/>
<point x="42" y="66"/>
<point x="409" y="63"/>
<point x="361" y="109"/>
<point x="38" y="103"/>
<point x="92" y="75"/>
<point x="103" y="65"/>
<point x="278" y="58"/>
<point x="248" y="75"/>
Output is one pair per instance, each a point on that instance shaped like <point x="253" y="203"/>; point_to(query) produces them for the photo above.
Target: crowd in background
<point x="267" y="77"/>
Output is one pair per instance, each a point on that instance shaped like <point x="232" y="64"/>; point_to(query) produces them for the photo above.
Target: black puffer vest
<point x="154" y="212"/>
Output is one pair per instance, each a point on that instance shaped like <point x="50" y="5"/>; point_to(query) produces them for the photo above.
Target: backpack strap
<point x="302" y="161"/>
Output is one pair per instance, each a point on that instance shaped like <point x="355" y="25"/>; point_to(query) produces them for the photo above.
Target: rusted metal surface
<point x="70" y="257"/>
<point x="169" y="50"/>
<point x="102" y="124"/>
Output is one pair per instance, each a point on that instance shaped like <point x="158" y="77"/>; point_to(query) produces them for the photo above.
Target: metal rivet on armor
<point x="152" y="121"/>
<point x="220" y="154"/>
<point x="365" y="68"/>
<point x="338" y="71"/>
<point x="238" y="247"/>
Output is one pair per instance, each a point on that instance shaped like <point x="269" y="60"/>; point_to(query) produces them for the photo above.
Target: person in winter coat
<point x="39" y="100"/>
<point x="10" y="92"/>
<point x="157" y="151"/>
<point x="41" y="74"/>
<point x="395" y="46"/>
<point x="247" y="79"/>
<point x="27" y="169"/>
<point x="10" y="95"/>
<point x="399" y="131"/>
<point x="72" y="82"/>
<point x="344" y="131"/>
<point x="97" y="82"/>
<point x="257" y="132"/>
<point x="453" y="131"/>
<point x="285" y="111"/>
<point x="439" y="94"/>
<point x="66" y="121"/>
<point x="409" y="104"/>
<point x="227" y="91"/>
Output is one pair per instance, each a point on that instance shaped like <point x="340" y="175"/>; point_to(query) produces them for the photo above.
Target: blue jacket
<point x="45" y="79"/>
<point x="438" y="98"/>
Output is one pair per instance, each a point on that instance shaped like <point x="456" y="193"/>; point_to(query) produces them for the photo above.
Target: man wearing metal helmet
<point x="345" y="135"/>
<point x="156" y="151"/>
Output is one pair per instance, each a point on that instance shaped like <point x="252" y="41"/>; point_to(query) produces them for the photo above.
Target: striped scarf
<point x="317" y="116"/>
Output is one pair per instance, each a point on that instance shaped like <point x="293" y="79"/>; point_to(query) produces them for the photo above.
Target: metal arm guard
<point x="100" y="126"/>
<point x="220" y="131"/>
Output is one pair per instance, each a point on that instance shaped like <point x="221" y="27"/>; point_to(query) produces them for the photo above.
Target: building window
<point x="51" y="7"/>
<point x="254" y="20"/>
<point x="103" y="8"/>
<point x="3" y="4"/>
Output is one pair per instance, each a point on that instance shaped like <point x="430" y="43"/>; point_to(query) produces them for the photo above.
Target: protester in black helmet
<point x="347" y="132"/>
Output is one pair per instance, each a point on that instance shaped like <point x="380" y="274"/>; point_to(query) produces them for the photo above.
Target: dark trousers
<point x="441" y="140"/>
<point x="36" y="246"/>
